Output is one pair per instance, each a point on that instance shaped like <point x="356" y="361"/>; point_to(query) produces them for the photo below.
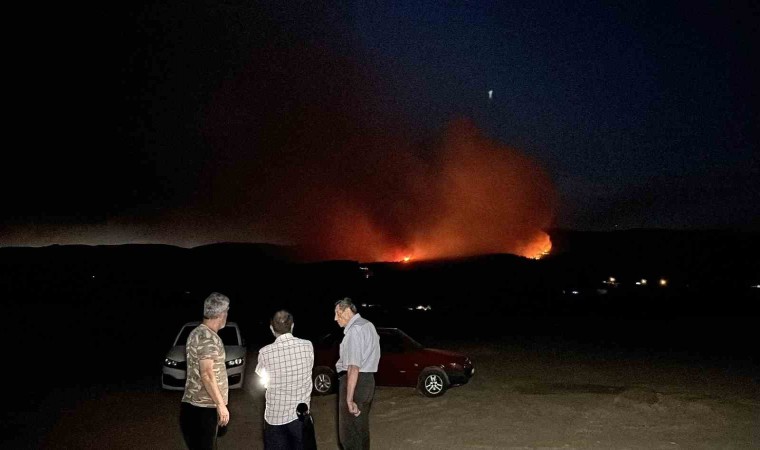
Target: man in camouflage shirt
<point x="204" y="404"/>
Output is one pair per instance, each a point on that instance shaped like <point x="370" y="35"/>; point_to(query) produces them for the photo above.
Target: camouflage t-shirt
<point x="203" y="343"/>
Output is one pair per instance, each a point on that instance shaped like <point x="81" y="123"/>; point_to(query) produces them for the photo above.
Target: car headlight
<point x="168" y="362"/>
<point x="235" y="362"/>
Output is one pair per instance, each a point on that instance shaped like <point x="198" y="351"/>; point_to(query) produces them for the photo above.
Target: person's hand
<point x="223" y="415"/>
<point x="353" y="408"/>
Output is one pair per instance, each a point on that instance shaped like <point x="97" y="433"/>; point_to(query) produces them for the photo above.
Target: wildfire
<point x="475" y="196"/>
<point x="540" y="248"/>
<point x="439" y="247"/>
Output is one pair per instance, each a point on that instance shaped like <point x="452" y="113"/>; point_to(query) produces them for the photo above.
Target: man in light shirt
<point x="359" y="357"/>
<point x="286" y="366"/>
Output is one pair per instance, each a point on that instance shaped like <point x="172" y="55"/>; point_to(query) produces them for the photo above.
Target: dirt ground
<point x="518" y="399"/>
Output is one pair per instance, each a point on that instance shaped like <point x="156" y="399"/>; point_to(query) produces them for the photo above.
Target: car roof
<point x="337" y="332"/>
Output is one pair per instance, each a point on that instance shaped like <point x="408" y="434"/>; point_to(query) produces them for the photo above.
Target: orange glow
<point x="539" y="248"/>
<point x="473" y="196"/>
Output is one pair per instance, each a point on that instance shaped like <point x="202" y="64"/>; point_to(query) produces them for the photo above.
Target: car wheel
<point x="433" y="382"/>
<point x="324" y="381"/>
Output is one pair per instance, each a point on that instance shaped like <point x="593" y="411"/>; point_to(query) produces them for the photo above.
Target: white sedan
<point x="175" y="366"/>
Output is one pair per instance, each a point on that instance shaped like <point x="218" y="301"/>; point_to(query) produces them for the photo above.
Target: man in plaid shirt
<point x="286" y="366"/>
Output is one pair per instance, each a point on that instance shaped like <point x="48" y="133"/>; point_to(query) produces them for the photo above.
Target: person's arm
<point x="209" y="382"/>
<point x="261" y="371"/>
<point x="352" y="376"/>
<point x="259" y="368"/>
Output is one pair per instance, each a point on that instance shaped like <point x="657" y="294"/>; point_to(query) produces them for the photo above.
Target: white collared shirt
<point x="360" y="346"/>
<point x="288" y="363"/>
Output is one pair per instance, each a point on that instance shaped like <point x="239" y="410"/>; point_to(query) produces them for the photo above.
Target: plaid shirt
<point x="288" y="363"/>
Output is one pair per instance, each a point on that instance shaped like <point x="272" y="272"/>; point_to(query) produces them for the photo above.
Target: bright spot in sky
<point x="490" y="94"/>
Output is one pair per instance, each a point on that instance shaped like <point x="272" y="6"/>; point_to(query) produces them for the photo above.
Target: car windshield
<point x="228" y="334"/>
<point x="182" y="338"/>
<point x="394" y="340"/>
<point x="410" y="342"/>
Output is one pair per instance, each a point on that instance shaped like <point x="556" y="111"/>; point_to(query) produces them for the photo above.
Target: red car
<point x="403" y="362"/>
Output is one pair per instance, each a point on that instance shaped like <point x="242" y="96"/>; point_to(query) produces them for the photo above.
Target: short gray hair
<point x="215" y="305"/>
<point x="344" y="303"/>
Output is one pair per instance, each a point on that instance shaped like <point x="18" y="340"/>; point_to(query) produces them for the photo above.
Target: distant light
<point x="757" y="286"/>
<point x="643" y="281"/>
<point x="93" y="277"/>
<point x="638" y="283"/>
<point x="612" y="279"/>
<point x="490" y="94"/>
<point x="575" y="292"/>
<point x="663" y="282"/>
<point x="407" y="258"/>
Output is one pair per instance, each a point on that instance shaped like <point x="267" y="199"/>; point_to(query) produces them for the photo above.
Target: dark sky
<point x="203" y="121"/>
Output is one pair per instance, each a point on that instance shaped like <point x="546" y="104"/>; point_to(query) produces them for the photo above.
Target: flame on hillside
<point x="478" y="197"/>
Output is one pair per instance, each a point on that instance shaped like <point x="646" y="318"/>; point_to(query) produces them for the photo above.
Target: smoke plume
<point x="330" y="168"/>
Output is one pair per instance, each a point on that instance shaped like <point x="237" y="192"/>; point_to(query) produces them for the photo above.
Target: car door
<point x="396" y="366"/>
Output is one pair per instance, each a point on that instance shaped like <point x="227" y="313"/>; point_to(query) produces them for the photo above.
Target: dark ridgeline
<point x="128" y="301"/>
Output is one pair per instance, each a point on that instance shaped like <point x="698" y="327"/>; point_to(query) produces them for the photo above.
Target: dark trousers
<point x="288" y="436"/>
<point x="198" y="426"/>
<point x="354" y="431"/>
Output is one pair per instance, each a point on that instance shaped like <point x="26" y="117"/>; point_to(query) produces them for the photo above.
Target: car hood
<point x="444" y="354"/>
<point x="233" y="351"/>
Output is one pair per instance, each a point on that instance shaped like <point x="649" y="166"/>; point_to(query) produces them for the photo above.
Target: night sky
<point x="366" y="129"/>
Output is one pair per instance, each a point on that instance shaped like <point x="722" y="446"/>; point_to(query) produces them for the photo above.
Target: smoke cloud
<point x="330" y="168"/>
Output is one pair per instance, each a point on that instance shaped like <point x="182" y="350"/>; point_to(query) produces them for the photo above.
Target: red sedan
<point x="403" y="362"/>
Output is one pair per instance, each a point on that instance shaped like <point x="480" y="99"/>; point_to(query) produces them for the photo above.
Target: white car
<point x="175" y="365"/>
